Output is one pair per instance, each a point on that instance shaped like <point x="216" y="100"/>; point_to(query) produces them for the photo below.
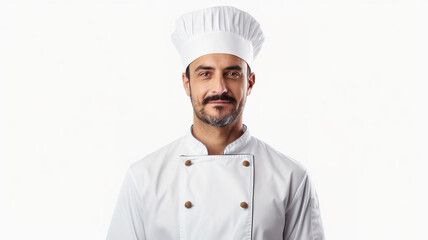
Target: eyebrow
<point x="202" y="67"/>
<point x="235" y="67"/>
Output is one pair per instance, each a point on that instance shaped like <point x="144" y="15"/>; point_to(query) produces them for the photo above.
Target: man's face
<point x="218" y="88"/>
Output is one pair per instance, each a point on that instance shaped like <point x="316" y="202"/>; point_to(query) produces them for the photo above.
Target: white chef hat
<point x="222" y="29"/>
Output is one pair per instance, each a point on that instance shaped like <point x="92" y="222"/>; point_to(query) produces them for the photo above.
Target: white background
<point x="89" y="87"/>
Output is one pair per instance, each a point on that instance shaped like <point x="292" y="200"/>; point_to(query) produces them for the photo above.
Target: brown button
<point x="246" y="163"/>
<point x="188" y="163"/>
<point x="188" y="204"/>
<point x="244" y="205"/>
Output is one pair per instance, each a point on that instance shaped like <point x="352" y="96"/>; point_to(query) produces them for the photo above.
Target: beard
<point x="221" y="119"/>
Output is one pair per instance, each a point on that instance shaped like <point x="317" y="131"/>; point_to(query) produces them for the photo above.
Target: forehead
<point x="218" y="61"/>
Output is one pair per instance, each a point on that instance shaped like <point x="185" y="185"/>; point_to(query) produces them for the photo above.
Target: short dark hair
<point x="188" y="71"/>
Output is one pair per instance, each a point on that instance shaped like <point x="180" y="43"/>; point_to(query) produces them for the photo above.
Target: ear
<point x="251" y="82"/>
<point x="186" y="83"/>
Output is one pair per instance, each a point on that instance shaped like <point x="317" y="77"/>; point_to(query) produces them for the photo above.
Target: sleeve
<point x="302" y="216"/>
<point x="127" y="221"/>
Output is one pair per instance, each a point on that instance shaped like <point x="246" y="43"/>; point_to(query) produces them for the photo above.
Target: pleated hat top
<point x="222" y="29"/>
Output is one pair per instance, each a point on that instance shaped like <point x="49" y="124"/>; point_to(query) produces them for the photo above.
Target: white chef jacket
<point x="252" y="192"/>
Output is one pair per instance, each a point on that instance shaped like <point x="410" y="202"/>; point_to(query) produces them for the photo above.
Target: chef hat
<point x="222" y="29"/>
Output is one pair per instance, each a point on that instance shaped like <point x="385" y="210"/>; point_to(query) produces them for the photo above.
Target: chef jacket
<point x="252" y="192"/>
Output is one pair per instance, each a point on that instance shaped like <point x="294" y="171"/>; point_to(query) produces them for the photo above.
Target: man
<point x="217" y="182"/>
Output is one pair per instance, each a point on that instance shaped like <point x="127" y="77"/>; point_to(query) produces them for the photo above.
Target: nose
<point x="219" y="85"/>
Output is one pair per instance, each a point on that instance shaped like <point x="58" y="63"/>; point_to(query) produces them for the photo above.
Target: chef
<point x="217" y="182"/>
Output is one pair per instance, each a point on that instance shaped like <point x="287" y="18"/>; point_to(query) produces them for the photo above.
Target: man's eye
<point x="233" y="74"/>
<point x="204" y="74"/>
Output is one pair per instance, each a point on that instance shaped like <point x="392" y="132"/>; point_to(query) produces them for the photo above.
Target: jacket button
<point x="188" y="204"/>
<point x="246" y="163"/>
<point x="244" y="205"/>
<point x="188" y="163"/>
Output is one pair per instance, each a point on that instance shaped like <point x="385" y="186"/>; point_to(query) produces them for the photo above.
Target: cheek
<point x="199" y="91"/>
<point x="241" y="91"/>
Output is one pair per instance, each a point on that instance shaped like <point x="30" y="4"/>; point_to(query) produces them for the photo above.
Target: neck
<point x="216" y="138"/>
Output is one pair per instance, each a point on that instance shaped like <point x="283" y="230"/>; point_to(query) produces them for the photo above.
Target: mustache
<point x="223" y="96"/>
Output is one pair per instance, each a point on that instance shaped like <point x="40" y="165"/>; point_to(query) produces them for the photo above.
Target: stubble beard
<point x="221" y="120"/>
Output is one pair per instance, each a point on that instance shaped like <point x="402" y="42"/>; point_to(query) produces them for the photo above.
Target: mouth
<point x="219" y="102"/>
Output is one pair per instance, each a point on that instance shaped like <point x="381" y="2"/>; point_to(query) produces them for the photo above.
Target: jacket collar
<point x="196" y="147"/>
